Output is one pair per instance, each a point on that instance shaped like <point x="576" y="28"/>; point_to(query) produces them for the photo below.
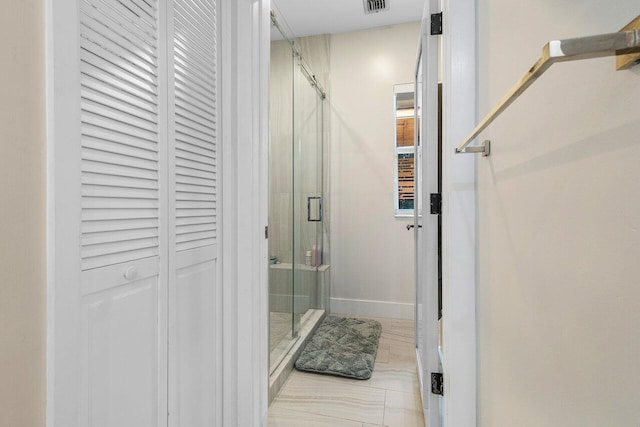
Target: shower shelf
<point x="615" y="44"/>
<point x="302" y="267"/>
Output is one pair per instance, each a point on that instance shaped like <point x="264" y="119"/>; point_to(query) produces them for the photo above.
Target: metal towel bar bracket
<point x="620" y="43"/>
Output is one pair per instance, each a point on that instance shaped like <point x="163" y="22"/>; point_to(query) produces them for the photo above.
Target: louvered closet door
<point x="123" y="343"/>
<point x="193" y="283"/>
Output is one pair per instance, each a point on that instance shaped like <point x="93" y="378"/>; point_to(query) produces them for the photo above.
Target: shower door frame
<point x="301" y="217"/>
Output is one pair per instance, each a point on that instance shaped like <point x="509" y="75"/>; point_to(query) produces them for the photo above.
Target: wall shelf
<point x="301" y="267"/>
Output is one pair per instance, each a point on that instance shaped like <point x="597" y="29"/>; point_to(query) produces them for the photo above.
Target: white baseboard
<point x="358" y="307"/>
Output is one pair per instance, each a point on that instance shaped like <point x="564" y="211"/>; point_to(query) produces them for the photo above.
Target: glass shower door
<point x="307" y="191"/>
<point x="281" y="129"/>
<point x="296" y="130"/>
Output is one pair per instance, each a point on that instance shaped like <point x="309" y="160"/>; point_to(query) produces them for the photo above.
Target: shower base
<point x="279" y="374"/>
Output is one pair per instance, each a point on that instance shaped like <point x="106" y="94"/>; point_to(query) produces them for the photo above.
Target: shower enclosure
<point x="298" y="279"/>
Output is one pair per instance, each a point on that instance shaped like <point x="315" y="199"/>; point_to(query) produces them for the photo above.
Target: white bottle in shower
<point x="307" y="258"/>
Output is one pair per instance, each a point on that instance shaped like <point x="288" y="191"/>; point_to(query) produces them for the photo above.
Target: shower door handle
<point x="319" y="217"/>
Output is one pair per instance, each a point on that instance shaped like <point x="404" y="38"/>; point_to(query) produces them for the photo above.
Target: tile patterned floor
<point x="390" y="398"/>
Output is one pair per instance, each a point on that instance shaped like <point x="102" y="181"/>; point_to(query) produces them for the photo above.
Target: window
<point x="404" y="150"/>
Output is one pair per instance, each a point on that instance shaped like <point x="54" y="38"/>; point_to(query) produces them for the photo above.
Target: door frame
<point x="245" y="50"/>
<point x="426" y="238"/>
<point x="459" y="214"/>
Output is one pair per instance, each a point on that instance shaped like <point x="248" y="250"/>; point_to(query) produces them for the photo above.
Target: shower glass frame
<point x="305" y="162"/>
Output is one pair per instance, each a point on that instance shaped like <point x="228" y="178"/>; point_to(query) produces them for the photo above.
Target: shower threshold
<point x="280" y="371"/>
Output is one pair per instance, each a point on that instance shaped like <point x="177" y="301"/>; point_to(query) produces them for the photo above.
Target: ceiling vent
<point x="375" y="6"/>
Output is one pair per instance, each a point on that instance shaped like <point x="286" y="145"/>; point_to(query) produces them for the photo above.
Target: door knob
<point x="410" y="226"/>
<point x="131" y="273"/>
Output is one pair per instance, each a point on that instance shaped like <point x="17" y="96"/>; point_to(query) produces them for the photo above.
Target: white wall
<point x="22" y="215"/>
<point x="371" y="251"/>
<point x="559" y="224"/>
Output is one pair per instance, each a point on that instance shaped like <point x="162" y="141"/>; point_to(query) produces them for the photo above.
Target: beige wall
<point x="559" y="224"/>
<point x="22" y="215"/>
<point x="371" y="251"/>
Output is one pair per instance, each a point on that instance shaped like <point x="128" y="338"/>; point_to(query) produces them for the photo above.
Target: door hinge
<point x="266" y="232"/>
<point x="436" y="24"/>
<point x="437" y="384"/>
<point x="436" y="203"/>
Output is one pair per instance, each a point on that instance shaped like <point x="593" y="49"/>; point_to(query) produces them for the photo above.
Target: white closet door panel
<point x="193" y="288"/>
<point x="120" y="378"/>
<point x="122" y="195"/>
<point x="195" y="344"/>
<point x="120" y="132"/>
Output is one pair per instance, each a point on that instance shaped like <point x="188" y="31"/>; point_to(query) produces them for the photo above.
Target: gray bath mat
<point x="342" y="346"/>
